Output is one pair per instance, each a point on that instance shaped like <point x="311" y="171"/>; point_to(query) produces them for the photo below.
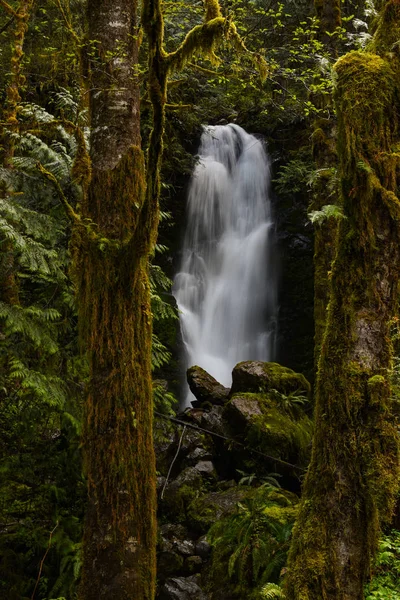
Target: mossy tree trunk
<point x="351" y="484"/>
<point x="325" y="157"/>
<point x="111" y="269"/>
<point x="113" y="239"/>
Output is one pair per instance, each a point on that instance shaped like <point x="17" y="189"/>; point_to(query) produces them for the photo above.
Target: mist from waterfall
<point x="226" y="289"/>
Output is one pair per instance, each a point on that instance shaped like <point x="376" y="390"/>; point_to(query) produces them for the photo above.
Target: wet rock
<point x="191" y="440"/>
<point x="257" y="376"/>
<point x="203" y="548"/>
<point x="242" y="410"/>
<point x="168" y="563"/>
<point x="160" y="482"/>
<point x="213" y="421"/>
<point x="184" y="547"/>
<point x="196" y="455"/>
<point x="181" y="588"/>
<point x="205" y="388"/>
<point x="206" y="468"/>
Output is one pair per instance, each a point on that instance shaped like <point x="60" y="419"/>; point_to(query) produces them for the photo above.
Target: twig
<point x="172" y="464"/>
<point x="43" y="559"/>
<point x="8" y="8"/>
<point x="67" y="21"/>
<point x="75" y="218"/>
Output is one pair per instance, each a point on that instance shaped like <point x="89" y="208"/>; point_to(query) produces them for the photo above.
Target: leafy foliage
<point x="329" y="211"/>
<point x="385" y="583"/>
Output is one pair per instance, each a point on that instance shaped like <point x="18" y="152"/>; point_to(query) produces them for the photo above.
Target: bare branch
<point x="75" y="218"/>
<point x="8" y="8"/>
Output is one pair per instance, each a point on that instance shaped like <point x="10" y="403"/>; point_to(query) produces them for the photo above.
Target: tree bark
<point x="352" y="481"/>
<point x="111" y="270"/>
<point x="325" y="158"/>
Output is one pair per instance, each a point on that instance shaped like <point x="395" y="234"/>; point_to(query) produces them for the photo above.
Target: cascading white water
<point x="225" y="290"/>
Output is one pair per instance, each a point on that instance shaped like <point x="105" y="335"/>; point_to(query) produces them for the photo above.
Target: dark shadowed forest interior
<point x="199" y="299"/>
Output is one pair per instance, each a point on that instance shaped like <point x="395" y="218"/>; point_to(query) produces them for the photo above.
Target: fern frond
<point x="159" y="354"/>
<point x="271" y="591"/>
<point x="31" y="323"/>
<point x="327" y="212"/>
<point x="48" y="389"/>
<point x="38" y="225"/>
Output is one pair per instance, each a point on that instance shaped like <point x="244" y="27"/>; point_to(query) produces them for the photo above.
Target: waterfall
<point x="225" y="289"/>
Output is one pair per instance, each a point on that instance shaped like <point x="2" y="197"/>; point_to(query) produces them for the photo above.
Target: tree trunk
<point x="111" y="269"/>
<point x="325" y="158"/>
<point x="353" y="477"/>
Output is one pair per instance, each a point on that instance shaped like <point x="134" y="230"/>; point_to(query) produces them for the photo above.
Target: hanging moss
<point x="353" y="477"/>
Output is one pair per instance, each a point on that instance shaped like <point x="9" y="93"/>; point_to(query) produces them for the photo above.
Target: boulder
<point x="213" y="421"/>
<point x="180" y="492"/>
<point x="206" y="468"/>
<point x="256" y="376"/>
<point x="205" y="388"/>
<point x="182" y="588"/>
<point x="242" y="409"/>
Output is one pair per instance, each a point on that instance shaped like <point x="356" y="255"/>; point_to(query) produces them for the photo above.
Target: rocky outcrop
<point x="205" y="388"/>
<point x="199" y="484"/>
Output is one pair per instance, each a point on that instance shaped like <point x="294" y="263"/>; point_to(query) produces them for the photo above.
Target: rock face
<point x="199" y="484"/>
<point x="205" y="388"/>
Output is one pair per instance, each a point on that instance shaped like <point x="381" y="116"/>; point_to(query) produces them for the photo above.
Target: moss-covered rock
<point x="205" y="388"/>
<point x="180" y="493"/>
<point x="273" y="423"/>
<point x="257" y="376"/>
<point x="205" y="510"/>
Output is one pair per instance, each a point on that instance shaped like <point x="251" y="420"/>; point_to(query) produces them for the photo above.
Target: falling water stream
<point x="225" y="289"/>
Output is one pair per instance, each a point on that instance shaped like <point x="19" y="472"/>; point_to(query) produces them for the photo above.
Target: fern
<point x="329" y="211"/>
<point x="271" y="591"/>
<point x="48" y="389"/>
<point x="31" y="323"/>
<point x="255" y="539"/>
<point x="159" y="354"/>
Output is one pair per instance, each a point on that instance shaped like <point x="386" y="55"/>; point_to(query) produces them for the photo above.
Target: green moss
<point x="205" y="510"/>
<point x="281" y="514"/>
<point x="278" y="434"/>
<point x="277" y="377"/>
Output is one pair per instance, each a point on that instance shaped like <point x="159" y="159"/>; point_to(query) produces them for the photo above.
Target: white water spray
<point x="225" y="290"/>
